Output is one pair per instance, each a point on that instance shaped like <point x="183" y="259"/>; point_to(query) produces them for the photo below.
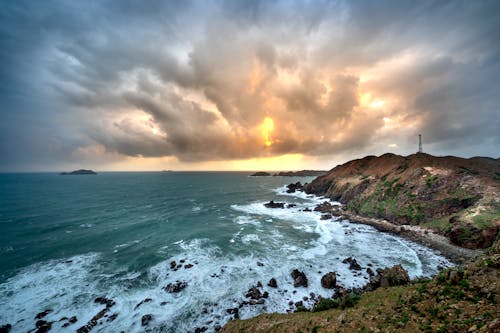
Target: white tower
<point x="420" y="150"/>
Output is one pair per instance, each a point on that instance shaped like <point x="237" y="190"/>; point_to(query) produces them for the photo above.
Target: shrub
<point x="325" y="304"/>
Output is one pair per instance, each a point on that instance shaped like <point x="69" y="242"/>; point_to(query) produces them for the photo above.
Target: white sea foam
<point x="218" y="280"/>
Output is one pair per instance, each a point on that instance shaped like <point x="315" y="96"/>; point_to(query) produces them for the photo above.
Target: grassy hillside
<point x="454" y="196"/>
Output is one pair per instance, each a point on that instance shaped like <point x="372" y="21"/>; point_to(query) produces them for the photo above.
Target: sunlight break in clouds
<point x="209" y="84"/>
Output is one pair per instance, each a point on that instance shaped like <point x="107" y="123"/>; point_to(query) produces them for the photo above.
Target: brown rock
<point x="299" y="278"/>
<point x="146" y="319"/>
<point x="329" y="280"/>
<point x="273" y="283"/>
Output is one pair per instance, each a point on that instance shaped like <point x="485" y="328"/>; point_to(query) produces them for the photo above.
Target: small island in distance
<point x="79" y="172"/>
<point x="301" y="173"/>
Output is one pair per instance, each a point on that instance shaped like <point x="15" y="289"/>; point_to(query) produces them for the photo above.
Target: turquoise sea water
<point x="66" y="240"/>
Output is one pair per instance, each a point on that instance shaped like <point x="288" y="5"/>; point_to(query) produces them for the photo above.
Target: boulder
<point x="471" y="237"/>
<point x="324" y="207"/>
<point x="175" y="287"/>
<point x="105" y="301"/>
<point x="200" y="329"/>
<point x="353" y="264"/>
<point x="235" y="312"/>
<point x="92" y="322"/>
<point x="253" y="293"/>
<point x="294" y="187"/>
<point x="394" y="276"/>
<point x="43" y="326"/>
<point x="273" y="283"/>
<point x="272" y="204"/>
<point x="5" y="328"/>
<point x="299" y="278"/>
<point x="329" y="280"/>
<point x="326" y="216"/>
<point x="146" y="319"/>
<point x="146" y="300"/>
<point x="43" y="314"/>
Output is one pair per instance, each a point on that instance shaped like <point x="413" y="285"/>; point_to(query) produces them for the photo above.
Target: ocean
<point x="66" y="240"/>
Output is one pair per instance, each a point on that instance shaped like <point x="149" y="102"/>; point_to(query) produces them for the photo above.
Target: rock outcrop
<point x="299" y="278"/>
<point x="272" y="204"/>
<point x="329" y="280"/>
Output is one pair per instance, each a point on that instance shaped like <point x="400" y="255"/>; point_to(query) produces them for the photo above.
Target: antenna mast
<point x="420" y="150"/>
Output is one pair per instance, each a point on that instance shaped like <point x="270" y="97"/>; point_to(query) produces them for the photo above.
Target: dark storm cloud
<point x="195" y="80"/>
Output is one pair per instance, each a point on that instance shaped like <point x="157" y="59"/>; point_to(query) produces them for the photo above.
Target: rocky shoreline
<point x="418" y="234"/>
<point x="423" y="236"/>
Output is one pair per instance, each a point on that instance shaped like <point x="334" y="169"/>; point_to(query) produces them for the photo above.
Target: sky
<point x="244" y="85"/>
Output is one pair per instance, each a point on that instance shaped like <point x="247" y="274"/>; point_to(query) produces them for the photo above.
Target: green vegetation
<point x="325" y="304"/>
<point x="486" y="219"/>
<point x="441" y="225"/>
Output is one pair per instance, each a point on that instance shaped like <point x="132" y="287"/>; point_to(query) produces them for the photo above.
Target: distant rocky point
<point x="301" y="173"/>
<point x="260" y="174"/>
<point x="80" y="172"/>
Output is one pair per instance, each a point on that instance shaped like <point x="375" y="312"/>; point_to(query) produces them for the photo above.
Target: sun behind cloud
<point x="266" y="128"/>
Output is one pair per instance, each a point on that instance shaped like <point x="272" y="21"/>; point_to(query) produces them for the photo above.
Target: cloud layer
<point x="194" y="81"/>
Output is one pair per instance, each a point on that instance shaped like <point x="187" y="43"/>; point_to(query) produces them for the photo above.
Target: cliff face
<point x="457" y="197"/>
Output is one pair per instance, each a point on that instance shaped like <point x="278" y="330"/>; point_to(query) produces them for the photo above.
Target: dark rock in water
<point x="92" y="322"/>
<point x="324" y="207"/>
<point x="43" y="314"/>
<point x="146" y="300"/>
<point x="326" y="216"/>
<point x="235" y="312"/>
<point x="329" y="280"/>
<point x="79" y="172"/>
<point x="265" y="294"/>
<point x="73" y="319"/>
<point x="112" y="317"/>
<point x="299" y="278"/>
<point x="175" y="287"/>
<point x="353" y="264"/>
<point x="260" y="174"/>
<point x="370" y="271"/>
<point x="307" y="209"/>
<point x="173" y="264"/>
<point x="291" y="205"/>
<point x="217" y="328"/>
<point x="260" y="264"/>
<point x="105" y="301"/>
<point x="200" y="329"/>
<point x="5" y="328"/>
<point x="294" y="187"/>
<point x="43" y="326"/>
<point x="146" y="319"/>
<point x="253" y="293"/>
<point x="272" y="204"/>
<point x="273" y="283"/>
<point x="299" y="303"/>
<point x="187" y="266"/>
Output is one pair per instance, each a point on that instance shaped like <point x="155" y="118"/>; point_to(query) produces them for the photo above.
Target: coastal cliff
<point x="456" y="197"/>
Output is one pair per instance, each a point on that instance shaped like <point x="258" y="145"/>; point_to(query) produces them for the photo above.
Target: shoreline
<point x="420" y="235"/>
